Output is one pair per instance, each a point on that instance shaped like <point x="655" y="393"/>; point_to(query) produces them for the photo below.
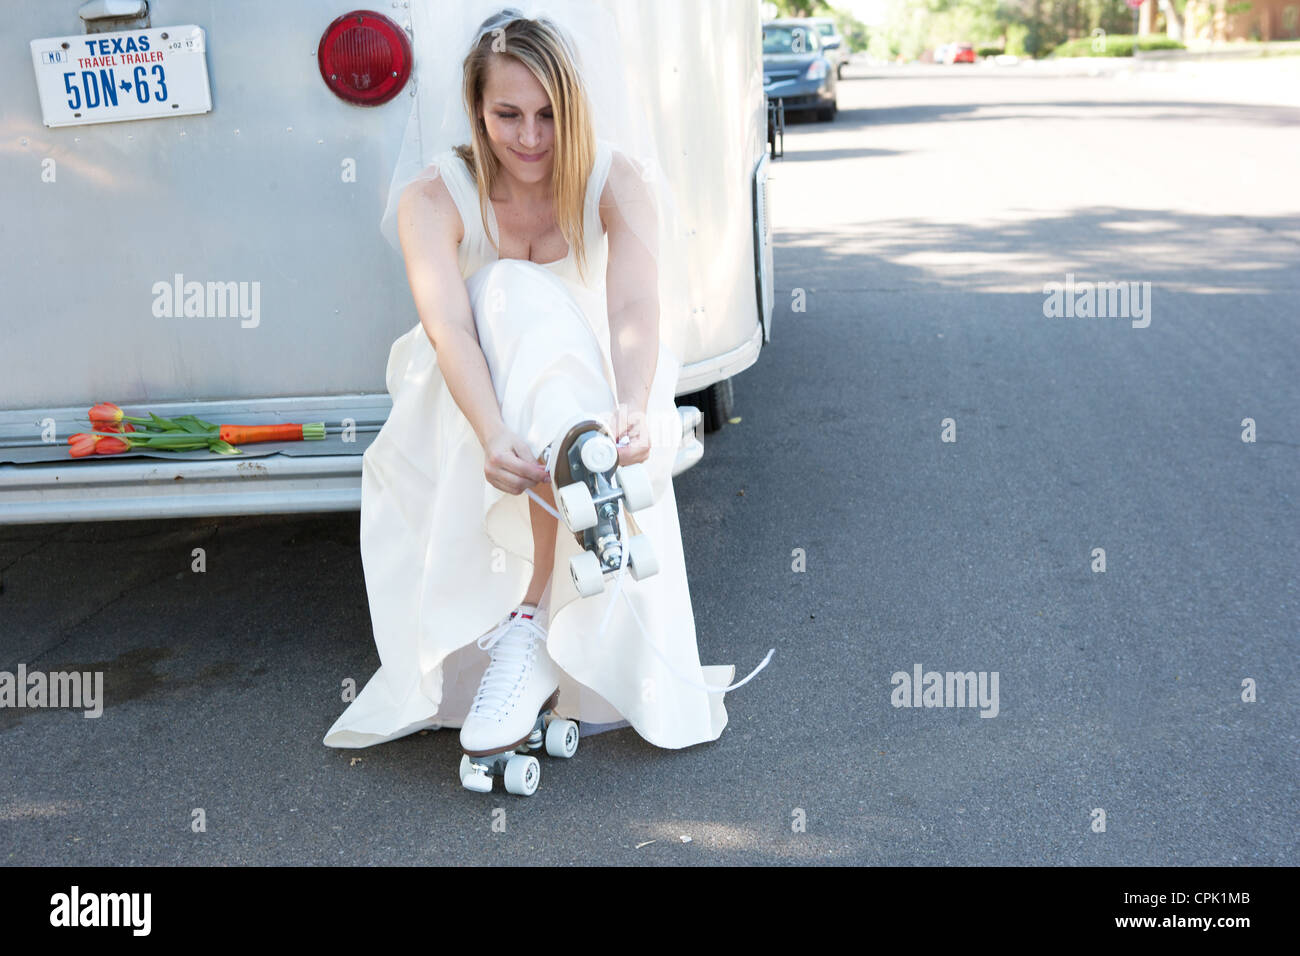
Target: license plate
<point x="129" y="75"/>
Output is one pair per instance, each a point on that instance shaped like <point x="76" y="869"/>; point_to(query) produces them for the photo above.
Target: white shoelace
<point x="512" y="644"/>
<point x="618" y="589"/>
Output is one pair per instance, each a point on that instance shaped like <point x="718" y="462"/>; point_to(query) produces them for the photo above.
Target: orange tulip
<point x="85" y="443"/>
<point x="80" y="445"/>
<point x="106" y="413"/>
<point x="111" y="446"/>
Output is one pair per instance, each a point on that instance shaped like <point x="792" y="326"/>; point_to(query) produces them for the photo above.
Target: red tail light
<point x="365" y="58"/>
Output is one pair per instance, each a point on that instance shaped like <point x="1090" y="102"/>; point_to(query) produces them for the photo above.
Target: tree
<point x="803" y="8"/>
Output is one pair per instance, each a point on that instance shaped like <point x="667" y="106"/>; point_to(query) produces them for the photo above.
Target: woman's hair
<point x="541" y="47"/>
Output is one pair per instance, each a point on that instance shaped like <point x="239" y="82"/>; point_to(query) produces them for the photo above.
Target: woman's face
<point x="520" y="124"/>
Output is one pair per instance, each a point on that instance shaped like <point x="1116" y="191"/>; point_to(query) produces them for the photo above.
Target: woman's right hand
<point x="509" y="463"/>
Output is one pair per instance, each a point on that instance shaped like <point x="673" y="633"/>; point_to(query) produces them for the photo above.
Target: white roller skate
<point x="513" y="712"/>
<point x="590" y="487"/>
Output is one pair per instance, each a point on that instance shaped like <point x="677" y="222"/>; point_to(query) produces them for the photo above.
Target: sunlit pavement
<point x="916" y="235"/>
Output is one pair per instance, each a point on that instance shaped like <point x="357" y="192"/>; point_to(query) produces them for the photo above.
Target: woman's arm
<point x="628" y="211"/>
<point x="430" y="229"/>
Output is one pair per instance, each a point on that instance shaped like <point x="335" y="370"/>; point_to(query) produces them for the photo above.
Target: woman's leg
<point x="544" y="527"/>
<point x="546" y="367"/>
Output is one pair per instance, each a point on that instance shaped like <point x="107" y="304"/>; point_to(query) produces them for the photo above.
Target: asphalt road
<point x="921" y="227"/>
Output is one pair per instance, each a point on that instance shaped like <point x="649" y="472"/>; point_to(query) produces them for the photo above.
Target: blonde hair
<point x="541" y="47"/>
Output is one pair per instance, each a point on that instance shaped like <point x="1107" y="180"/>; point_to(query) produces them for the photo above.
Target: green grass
<point x="1115" y="45"/>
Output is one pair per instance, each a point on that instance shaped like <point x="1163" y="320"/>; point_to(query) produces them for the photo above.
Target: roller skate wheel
<point x="562" y="738"/>
<point x="599" y="454"/>
<point x="464" y="767"/>
<point x="477" y="781"/>
<point x="635" y="482"/>
<point x="576" y="507"/>
<point x="522" y="775"/>
<point x="641" y="557"/>
<point x="588" y="576"/>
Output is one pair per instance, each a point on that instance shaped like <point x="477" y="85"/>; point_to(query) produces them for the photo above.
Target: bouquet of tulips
<point x="114" y="431"/>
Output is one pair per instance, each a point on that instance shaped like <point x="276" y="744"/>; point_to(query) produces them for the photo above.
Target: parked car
<point x="796" y="70"/>
<point x="961" y="53"/>
<point x="833" y="44"/>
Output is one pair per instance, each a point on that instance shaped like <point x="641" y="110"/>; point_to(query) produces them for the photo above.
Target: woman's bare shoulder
<point x="617" y="181"/>
<point x="624" y="186"/>
<point x="428" y="199"/>
<point x="621" y="172"/>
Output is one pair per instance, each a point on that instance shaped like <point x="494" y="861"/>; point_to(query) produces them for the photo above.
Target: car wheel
<point x="718" y="402"/>
<point x="714" y="403"/>
<point x="827" y="114"/>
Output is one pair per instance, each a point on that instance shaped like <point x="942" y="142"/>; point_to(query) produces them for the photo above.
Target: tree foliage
<point x="803" y="8"/>
<point x="1022" y="27"/>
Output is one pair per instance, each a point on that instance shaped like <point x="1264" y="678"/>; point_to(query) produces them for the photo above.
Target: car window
<point x="826" y="29"/>
<point x="782" y="40"/>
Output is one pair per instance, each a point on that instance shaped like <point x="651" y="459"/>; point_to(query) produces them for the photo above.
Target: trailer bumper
<point x="139" y="487"/>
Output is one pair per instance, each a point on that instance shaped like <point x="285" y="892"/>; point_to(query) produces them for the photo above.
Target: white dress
<point x="447" y="556"/>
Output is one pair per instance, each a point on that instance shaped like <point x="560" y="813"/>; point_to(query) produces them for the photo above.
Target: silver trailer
<point x="192" y="192"/>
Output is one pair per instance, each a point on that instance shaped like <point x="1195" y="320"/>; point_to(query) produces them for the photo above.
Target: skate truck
<point x="193" y="206"/>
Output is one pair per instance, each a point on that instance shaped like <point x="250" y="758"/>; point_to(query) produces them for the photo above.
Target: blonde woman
<point x="531" y="251"/>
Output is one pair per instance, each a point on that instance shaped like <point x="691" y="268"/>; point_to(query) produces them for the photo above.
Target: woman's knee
<point x="505" y="287"/>
<point x="508" y="272"/>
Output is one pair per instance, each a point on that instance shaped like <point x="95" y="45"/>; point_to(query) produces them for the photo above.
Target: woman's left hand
<point x="637" y="448"/>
